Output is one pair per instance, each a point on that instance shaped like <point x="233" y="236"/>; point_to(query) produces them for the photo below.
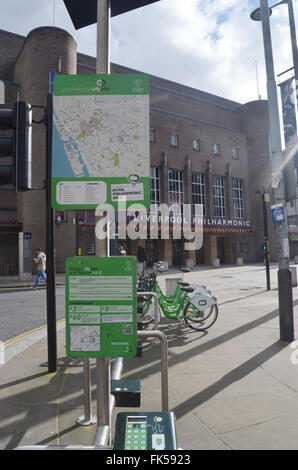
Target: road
<point x="24" y="309"/>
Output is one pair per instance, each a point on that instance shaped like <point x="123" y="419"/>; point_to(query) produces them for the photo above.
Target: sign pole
<point x="50" y="247"/>
<point x="286" y="315"/>
<point x="103" y="365"/>
<point x="266" y="238"/>
<point x="103" y="36"/>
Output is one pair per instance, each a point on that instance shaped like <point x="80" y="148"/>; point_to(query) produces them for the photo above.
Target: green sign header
<point x="91" y="84"/>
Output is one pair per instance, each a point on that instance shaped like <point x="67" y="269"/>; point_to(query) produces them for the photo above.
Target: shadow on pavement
<point x="38" y="404"/>
<point x="234" y="376"/>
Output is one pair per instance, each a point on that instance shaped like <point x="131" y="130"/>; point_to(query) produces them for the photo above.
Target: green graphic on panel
<point x="101" y="307"/>
<point x="101" y="149"/>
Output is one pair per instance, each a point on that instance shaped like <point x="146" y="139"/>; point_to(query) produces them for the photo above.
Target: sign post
<point x="77" y="193"/>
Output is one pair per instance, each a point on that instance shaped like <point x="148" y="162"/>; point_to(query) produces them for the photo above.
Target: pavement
<point x="235" y="387"/>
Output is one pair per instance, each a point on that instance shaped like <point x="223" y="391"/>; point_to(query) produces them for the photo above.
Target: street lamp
<point x="286" y="317"/>
<point x="256" y="16"/>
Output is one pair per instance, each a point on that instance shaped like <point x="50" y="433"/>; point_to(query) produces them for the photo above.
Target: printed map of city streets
<point x="101" y="307"/>
<point x="101" y="150"/>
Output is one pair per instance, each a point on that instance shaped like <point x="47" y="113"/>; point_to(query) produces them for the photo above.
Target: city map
<point x="102" y="136"/>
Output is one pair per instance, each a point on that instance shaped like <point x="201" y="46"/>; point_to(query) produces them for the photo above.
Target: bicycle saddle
<point x="188" y="290"/>
<point x="183" y="284"/>
<point x="185" y="270"/>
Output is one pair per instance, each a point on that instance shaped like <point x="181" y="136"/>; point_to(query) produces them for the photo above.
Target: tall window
<point x="176" y="195"/>
<point x="174" y="140"/>
<point x="219" y="196"/>
<point x="198" y="190"/>
<point x="235" y="153"/>
<point x="216" y="149"/>
<point x="196" y="145"/>
<point x="152" y="135"/>
<point x="237" y="186"/>
<point x="154" y="186"/>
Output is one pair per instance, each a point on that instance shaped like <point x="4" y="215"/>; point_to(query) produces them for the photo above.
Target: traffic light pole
<point x="266" y="238"/>
<point x="50" y="246"/>
<point x="286" y="315"/>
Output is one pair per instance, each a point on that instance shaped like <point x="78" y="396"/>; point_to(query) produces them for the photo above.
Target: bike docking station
<point x="192" y="303"/>
<point x="101" y="322"/>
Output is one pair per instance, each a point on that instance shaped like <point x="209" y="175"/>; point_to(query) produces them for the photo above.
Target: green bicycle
<point x="193" y="304"/>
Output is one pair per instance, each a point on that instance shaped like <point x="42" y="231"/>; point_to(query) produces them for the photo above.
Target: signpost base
<point x="82" y="421"/>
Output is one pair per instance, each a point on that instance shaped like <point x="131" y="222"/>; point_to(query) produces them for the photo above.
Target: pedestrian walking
<point x="40" y="261"/>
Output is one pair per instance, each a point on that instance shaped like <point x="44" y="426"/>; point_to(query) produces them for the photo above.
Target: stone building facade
<point x="204" y="149"/>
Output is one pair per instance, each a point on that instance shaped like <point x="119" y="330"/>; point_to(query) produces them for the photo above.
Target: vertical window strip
<point x="237" y="186"/>
<point x="198" y="190"/>
<point x="219" y="196"/>
<point x="154" y="186"/>
<point x="176" y="191"/>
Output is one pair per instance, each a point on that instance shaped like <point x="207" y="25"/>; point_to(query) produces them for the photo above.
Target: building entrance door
<point x="151" y="252"/>
<point x="200" y="257"/>
<point x="177" y="253"/>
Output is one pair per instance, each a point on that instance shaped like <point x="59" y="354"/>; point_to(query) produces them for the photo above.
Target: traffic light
<point x="266" y="247"/>
<point x="18" y="145"/>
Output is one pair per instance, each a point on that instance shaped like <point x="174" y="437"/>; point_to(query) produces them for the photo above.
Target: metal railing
<point x="102" y="439"/>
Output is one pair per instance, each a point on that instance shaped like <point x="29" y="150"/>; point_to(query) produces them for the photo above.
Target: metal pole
<point x="103" y="66"/>
<point x="164" y="364"/>
<point x="103" y="392"/>
<point x="103" y="36"/>
<point x="266" y="238"/>
<point x="88" y="419"/>
<point x="50" y="246"/>
<point x="103" y="432"/>
<point x="103" y="364"/>
<point x="284" y="275"/>
<point x="293" y="36"/>
<point x="87" y="389"/>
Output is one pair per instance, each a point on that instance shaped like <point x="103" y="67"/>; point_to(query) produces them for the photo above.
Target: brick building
<point x="204" y="150"/>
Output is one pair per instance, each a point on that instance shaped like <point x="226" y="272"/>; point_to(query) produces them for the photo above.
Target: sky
<point x="212" y="45"/>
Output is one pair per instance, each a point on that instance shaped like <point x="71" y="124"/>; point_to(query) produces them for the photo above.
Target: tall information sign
<point x="101" y="307"/>
<point x="101" y="149"/>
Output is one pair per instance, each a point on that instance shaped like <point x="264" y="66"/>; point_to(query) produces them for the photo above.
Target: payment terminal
<point x="145" y="431"/>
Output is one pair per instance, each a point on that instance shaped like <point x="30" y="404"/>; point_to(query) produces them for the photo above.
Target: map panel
<point x="101" y="147"/>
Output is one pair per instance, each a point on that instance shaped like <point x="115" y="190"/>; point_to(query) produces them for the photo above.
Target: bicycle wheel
<point x="199" y="320"/>
<point x="146" y="317"/>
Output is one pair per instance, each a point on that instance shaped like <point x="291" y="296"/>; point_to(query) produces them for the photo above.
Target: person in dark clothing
<point x="141" y="255"/>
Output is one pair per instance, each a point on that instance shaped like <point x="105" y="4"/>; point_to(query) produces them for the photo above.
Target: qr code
<point x="127" y="329"/>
